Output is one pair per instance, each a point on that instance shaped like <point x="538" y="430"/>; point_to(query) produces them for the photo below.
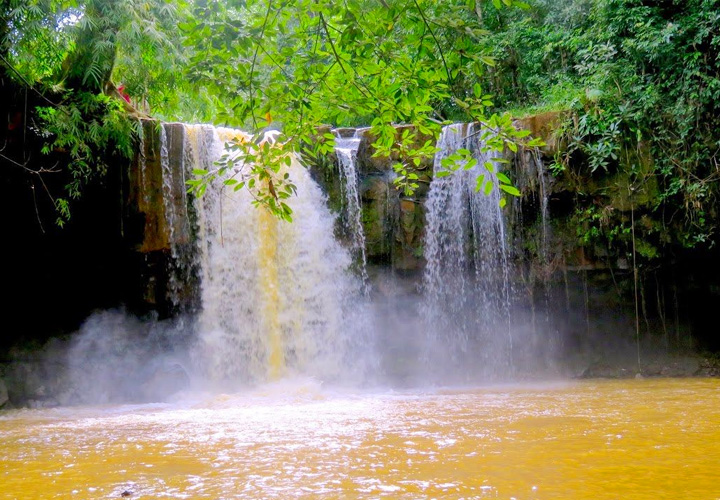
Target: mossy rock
<point x="545" y="126"/>
<point x="369" y="164"/>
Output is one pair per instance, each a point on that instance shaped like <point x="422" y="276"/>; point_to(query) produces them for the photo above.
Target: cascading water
<point x="536" y="256"/>
<point x="467" y="276"/>
<point x="143" y="171"/>
<point x="346" y="151"/>
<point x="543" y="203"/>
<point x="536" y="177"/>
<point x="276" y="296"/>
<point x="544" y="252"/>
<point x="174" y="166"/>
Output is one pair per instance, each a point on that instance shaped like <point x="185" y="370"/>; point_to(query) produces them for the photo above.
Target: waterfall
<point x="144" y="181"/>
<point x="277" y="297"/>
<point x="467" y="277"/>
<point x="535" y="166"/>
<point x="346" y="151"/>
<point x="544" y="253"/>
<point x="174" y="166"/>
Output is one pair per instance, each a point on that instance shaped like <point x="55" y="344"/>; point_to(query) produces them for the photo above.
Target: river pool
<point x="630" y="439"/>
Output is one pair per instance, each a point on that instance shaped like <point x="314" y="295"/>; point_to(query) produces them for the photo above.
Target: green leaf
<point x="503" y="178"/>
<point x="488" y="60"/>
<point x="488" y="188"/>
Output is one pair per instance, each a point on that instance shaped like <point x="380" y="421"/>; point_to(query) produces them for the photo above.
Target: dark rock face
<point x="58" y="276"/>
<point x="709" y="367"/>
<point x="145" y="207"/>
<point x="607" y="370"/>
<point x="378" y="206"/>
<point x="35" y="383"/>
<point x="544" y="125"/>
<point x="156" y="239"/>
<point x="393" y="224"/>
<point x="658" y="366"/>
<point x="409" y="240"/>
<point x="3" y="394"/>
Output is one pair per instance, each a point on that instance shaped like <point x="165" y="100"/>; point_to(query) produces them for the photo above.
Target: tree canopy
<point x="638" y="81"/>
<point x="297" y="64"/>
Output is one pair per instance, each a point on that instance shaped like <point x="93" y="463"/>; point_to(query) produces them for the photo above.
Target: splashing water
<point x="466" y="280"/>
<point x="346" y="151"/>
<point x="275" y="295"/>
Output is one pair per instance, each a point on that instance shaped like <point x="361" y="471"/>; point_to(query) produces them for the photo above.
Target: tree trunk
<point x="89" y="67"/>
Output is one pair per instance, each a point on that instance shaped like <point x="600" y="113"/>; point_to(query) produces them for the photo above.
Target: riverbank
<point x="685" y="366"/>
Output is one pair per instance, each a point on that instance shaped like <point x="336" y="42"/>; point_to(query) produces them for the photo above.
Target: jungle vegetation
<point x="637" y="83"/>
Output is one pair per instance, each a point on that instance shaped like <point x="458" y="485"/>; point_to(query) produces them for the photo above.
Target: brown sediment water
<point x="630" y="439"/>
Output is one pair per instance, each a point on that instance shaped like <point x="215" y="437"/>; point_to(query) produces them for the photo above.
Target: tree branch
<point x="437" y="42"/>
<point x="28" y="84"/>
<point x="332" y="44"/>
<point x="254" y="61"/>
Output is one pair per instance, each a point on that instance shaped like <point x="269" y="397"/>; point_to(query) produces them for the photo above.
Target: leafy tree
<point x="638" y="82"/>
<point x="651" y="112"/>
<point x="67" y="52"/>
<point x="298" y="64"/>
<point x="304" y="64"/>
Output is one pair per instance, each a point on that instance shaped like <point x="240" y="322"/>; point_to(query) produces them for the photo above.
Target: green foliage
<point x="258" y="164"/>
<point x="405" y="148"/>
<point x="641" y="82"/>
<point x="659" y="86"/>
<point x="91" y="129"/>
<point x="67" y="52"/>
<point x="151" y="58"/>
<point x="313" y="63"/>
<point x="33" y="35"/>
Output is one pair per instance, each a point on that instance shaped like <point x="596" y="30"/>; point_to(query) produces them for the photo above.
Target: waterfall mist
<point x="282" y="300"/>
<point x="115" y="357"/>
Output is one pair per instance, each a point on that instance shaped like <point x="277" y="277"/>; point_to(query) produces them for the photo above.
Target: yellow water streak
<point x="269" y="291"/>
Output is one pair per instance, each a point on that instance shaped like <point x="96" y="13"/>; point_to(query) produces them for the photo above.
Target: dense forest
<point x="635" y="84"/>
<point x="637" y="81"/>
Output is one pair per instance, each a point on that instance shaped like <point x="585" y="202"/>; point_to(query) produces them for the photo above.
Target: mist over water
<point x="115" y="357"/>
